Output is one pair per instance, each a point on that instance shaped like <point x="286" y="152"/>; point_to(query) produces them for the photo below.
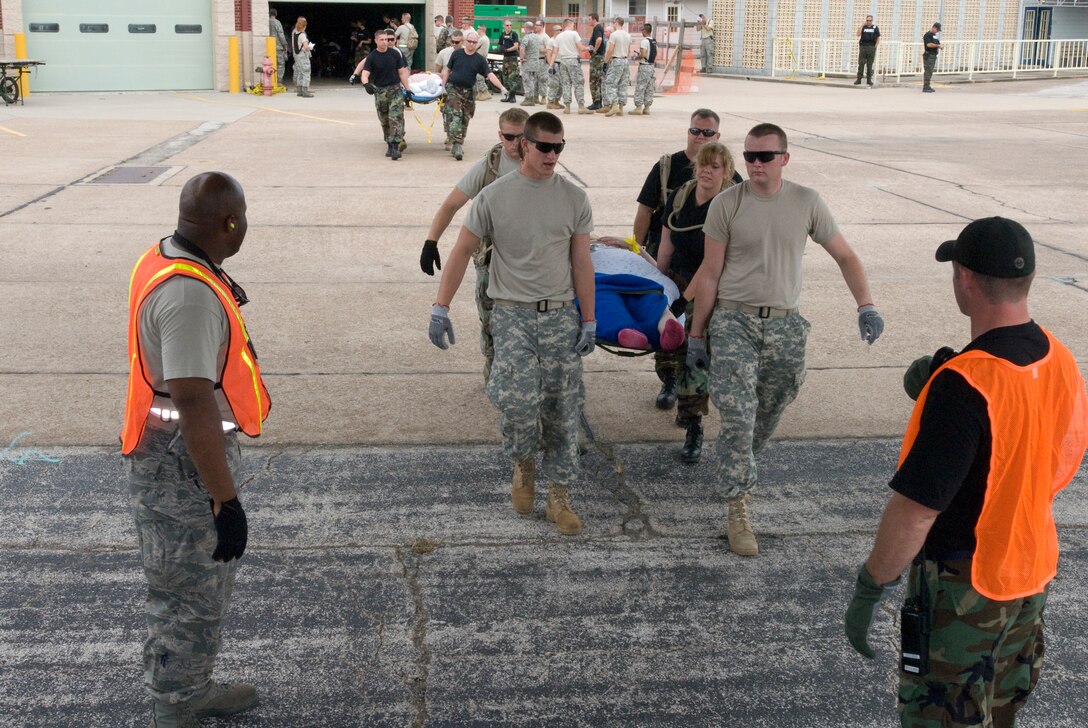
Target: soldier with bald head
<point x="194" y="382"/>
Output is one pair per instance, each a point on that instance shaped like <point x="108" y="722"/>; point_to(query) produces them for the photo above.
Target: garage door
<point x="119" y="45"/>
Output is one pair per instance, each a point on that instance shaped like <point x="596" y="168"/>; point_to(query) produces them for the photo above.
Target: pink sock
<point x="672" y="338"/>
<point x="631" y="339"/>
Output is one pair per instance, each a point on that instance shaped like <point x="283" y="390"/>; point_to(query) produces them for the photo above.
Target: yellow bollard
<point x="24" y="73"/>
<point x="232" y="64"/>
<point x="270" y="51"/>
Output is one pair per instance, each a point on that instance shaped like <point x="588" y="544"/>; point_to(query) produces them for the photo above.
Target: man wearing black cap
<point x="932" y="46"/>
<point x="997" y="430"/>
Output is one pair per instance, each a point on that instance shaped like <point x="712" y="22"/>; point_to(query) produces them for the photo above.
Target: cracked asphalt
<point x="397" y="587"/>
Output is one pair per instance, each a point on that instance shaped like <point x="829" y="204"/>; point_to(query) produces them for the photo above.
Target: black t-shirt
<point x="506" y="41"/>
<point x="687" y="245"/>
<point x="930" y="38"/>
<point x="869" y="36"/>
<point x="465" y="66"/>
<point x="598" y="32"/>
<point x="680" y="171"/>
<point x="383" y="67"/>
<point x="949" y="463"/>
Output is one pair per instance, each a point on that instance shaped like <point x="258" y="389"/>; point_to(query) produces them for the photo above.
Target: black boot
<point x="693" y="442"/>
<point x="394" y="151"/>
<point x="666" y="398"/>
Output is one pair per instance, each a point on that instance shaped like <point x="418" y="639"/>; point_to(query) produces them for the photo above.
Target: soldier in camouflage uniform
<point x="537" y="375"/>
<point x="757" y="333"/>
<point x="275" y="30"/>
<point x="302" y="49"/>
<point x="181" y="453"/>
<point x="644" y="79"/>
<point x="500" y="160"/>
<point x="532" y="66"/>
<point x="510" y="47"/>
<point x="597" y="47"/>
<point x="996" y="432"/>
<point x="555" y="82"/>
<point x="384" y="74"/>
<point x="459" y="79"/>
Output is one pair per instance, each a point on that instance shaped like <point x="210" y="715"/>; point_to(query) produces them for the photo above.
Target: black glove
<point x="370" y="88"/>
<point x="353" y="79"/>
<point x="429" y="259"/>
<point x="922" y="368"/>
<point x="232" y="529"/>
<point x="678" y="306"/>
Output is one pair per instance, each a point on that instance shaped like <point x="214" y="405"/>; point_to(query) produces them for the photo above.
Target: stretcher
<point x="425" y="88"/>
<point x="11" y="71"/>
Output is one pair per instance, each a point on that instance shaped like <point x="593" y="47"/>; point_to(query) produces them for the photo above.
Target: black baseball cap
<point x="992" y="246"/>
<point x="937" y="26"/>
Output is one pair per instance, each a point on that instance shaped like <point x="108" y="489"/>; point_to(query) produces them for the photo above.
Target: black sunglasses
<point x="764" y="157"/>
<point x="546" y="147"/>
<point x="705" y="132"/>
<point x="509" y="137"/>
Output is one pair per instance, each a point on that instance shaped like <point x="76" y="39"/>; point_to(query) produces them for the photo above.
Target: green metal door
<point x="119" y="45"/>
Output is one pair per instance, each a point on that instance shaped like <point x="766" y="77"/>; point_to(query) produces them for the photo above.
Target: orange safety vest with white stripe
<point x="1039" y="431"/>
<point x="240" y="378"/>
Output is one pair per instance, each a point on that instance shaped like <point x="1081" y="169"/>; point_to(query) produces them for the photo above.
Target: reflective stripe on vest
<point x="240" y="378"/>
<point x="1039" y="431"/>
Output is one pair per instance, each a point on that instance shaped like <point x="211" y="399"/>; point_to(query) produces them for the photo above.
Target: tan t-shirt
<point x="765" y="239"/>
<point x="530" y="260"/>
<point x="473" y="181"/>
<point x="621" y="44"/>
<point x="568" y="41"/>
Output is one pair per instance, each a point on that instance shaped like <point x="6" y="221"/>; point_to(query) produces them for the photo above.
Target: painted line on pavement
<point x="264" y="108"/>
<point x="12" y="131"/>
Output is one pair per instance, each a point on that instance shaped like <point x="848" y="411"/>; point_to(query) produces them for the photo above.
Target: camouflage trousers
<point x="187" y="592"/>
<point x="536" y="384"/>
<point x="615" y="83"/>
<point x="571" y="78"/>
<point x="389" y="103"/>
<point x="985" y="656"/>
<point x="692" y="385"/>
<point x="302" y="69"/>
<point x="484" y="306"/>
<point x="481" y="87"/>
<point x="534" y="79"/>
<point x="281" y="64"/>
<point x="461" y="104"/>
<point x="555" y="83"/>
<point x="511" y="74"/>
<point x="596" y="77"/>
<point x="757" y="367"/>
<point x="644" y="85"/>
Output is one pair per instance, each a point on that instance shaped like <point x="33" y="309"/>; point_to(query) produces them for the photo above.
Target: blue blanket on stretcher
<point x="625" y="301"/>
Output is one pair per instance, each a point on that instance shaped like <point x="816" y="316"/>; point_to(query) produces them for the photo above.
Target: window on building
<point x="636" y="7"/>
<point x="672" y="13"/>
<point x="574" y="10"/>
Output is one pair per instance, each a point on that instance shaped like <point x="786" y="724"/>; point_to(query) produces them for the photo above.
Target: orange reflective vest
<point x="1039" y="431"/>
<point x="241" y="376"/>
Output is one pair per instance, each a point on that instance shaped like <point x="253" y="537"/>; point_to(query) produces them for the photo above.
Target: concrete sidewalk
<point x="396" y="587"/>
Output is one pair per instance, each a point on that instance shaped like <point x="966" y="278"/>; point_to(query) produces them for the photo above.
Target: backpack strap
<point x="664" y="166"/>
<point x="678" y="200"/>
<point x="482" y="256"/>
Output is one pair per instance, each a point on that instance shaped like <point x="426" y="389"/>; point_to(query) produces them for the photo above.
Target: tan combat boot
<point x="637" y="111"/>
<point x="612" y="110"/>
<point x="584" y="110"/>
<point x="559" y="512"/>
<point x="176" y="715"/>
<point x="619" y="110"/>
<point x="645" y="110"/>
<point x="553" y="105"/>
<point x="523" y="491"/>
<point x="604" y="109"/>
<point x="528" y="102"/>
<point x="742" y="541"/>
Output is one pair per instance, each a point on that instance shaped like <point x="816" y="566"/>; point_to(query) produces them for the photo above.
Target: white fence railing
<point x="823" y="57"/>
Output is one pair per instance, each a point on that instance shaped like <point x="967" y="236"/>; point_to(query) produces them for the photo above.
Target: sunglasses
<point x="509" y="137"/>
<point x="472" y="41"/>
<point x="546" y="147"/>
<point x="705" y="132"/>
<point x="764" y="157"/>
<point x="455" y="42"/>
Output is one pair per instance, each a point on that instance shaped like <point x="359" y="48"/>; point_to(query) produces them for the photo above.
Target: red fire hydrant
<point x="267" y="73"/>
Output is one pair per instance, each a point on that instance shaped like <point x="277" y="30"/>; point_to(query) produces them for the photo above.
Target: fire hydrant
<point x="268" y="72"/>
